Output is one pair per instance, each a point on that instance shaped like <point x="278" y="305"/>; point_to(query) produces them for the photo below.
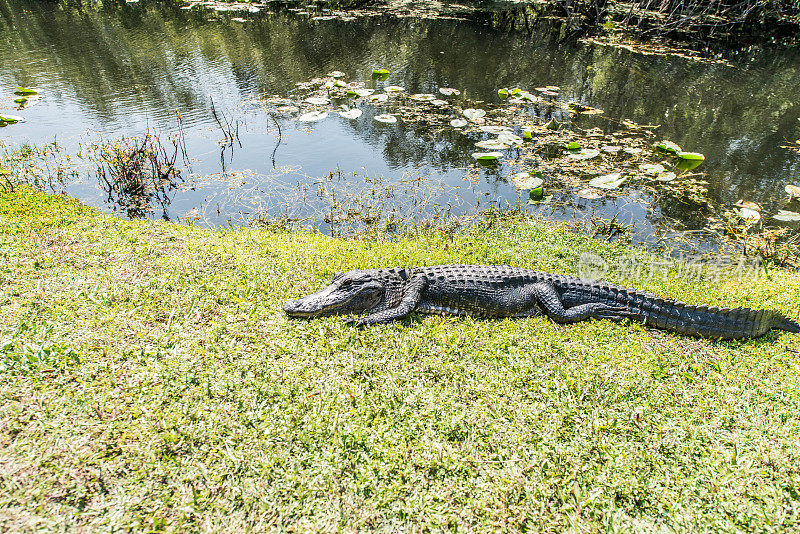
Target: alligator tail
<point x="704" y="321"/>
<point x="788" y="325"/>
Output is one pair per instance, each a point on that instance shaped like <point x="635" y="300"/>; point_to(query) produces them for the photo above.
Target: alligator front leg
<point x="548" y="298"/>
<point x="409" y="303"/>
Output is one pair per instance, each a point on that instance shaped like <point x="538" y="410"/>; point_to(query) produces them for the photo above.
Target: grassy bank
<point x="150" y="381"/>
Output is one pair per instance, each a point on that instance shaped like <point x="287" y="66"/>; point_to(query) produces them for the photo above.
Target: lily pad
<point x="422" y="97"/>
<point x="386" y="118"/>
<point x="351" y="113"/>
<point x="336" y="74"/>
<point x="537" y="196"/>
<point x="449" y="91"/>
<point x="669" y="146"/>
<point x="439" y="103"/>
<point x="503" y="93"/>
<point x="651" y="168"/>
<point x="25" y="91"/>
<point x="363" y="92"/>
<point x="749" y="214"/>
<point x="312" y="116"/>
<point x="589" y="194"/>
<point x="611" y="149"/>
<point x="458" y="123"/>
<point x="527" y="134"/>
<point x="318" y="100"/>
<point x="748" y="204"/>
<point x="585" y="153"/>
<point x="793" y="190"/>
<point x="688" y="164"/>
<point x="631" y="150"/>
<point x="383" y="97"/>
<point x="608" y="181"/>
<point x="486" y="156"/>
<point x="510" y="139"/>
<point x="787" y="216"/>
<point x="473" y="114"/>
<point x="666" y="176"/>
<point x="692" y="156"/>
<point x="380" y="72"/>
<point x="492" y="144"/>
<point x="10" y="119"/>
<point x="394" y="89"/>
<point x="527" y="180"/>
<point x="572" y="145"/>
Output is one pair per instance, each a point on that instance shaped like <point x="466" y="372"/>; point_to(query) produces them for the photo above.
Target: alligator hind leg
<point x="548" y="298"/>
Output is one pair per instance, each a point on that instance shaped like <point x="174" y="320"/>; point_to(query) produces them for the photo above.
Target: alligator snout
<point x="291" y="306"/>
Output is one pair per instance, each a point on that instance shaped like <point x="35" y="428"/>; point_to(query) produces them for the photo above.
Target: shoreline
<point x="152" y="381"/>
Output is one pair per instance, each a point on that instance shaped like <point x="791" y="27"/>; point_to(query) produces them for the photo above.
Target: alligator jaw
<point x="347" y="295"/>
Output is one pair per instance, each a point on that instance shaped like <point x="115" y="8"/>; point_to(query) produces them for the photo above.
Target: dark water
<point x="119" y="70"/>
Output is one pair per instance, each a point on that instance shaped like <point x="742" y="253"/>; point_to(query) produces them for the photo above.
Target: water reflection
<point x="123" y="69"/>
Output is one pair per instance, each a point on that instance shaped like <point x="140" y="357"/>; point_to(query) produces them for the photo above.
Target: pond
<point x="215" y="82"/>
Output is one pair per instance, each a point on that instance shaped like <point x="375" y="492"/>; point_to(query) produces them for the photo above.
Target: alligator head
<point x="352" y="292"/>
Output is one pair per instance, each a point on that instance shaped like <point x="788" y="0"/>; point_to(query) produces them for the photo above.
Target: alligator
<point x="503" y="291"/>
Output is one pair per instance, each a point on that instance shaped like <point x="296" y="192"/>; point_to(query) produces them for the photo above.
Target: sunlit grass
<point x="149" y="380"/>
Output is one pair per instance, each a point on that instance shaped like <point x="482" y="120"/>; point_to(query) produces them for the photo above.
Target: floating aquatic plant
<point x="509" y="138"/>
<point x="318" y="100"/>
<point x="793" y="190"/>
<point x="651" y="168"/>
<point x="787" y="216"/>
<point x="527" y="180"/>
<point x="473" y="114"/>
<point x="584" y="153"/>
<point x="458" y="123"/>
<point x="10" y="119"/>
<point x="749" y="214"/>
<point x="589" y="194"/>
<point x="351" y="113"/>
<point x="608" y="181"/>
<point x="666" y="176"/>
<point x="386" y="118"/>
<point x="492" y="144"/>
<point x="669" y="146"/>
<point x="449" y="91"/>
<point x="312" y="116"/>
<point x="486" y="156"/>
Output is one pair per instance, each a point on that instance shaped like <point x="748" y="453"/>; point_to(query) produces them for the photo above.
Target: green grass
<point x="150" y="381"/>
